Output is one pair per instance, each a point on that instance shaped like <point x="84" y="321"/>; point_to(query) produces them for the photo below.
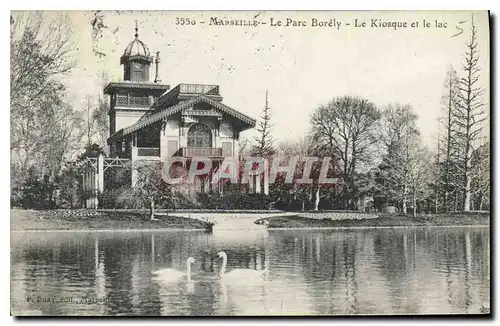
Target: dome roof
<point x="136" y="47"/>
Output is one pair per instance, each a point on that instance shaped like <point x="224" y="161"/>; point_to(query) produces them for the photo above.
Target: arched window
<point x="199" y="135"/>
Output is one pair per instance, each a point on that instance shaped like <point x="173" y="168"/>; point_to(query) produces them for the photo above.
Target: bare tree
<point x="44" y="129"/>
<point x="97" y="122"/>
<point x="469" y="114"/>
<point x="41" y="49"/>
<point x="345" y="129"/>
<point x="300" y="149"/>
<point x="481" y="177"/>
<point x="447" y="150"/>
<point x="419" y="175"/>
<point x="399" y="135"/>
<point x="150" y="186"/>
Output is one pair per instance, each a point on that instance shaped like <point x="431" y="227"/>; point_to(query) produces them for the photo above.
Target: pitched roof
<point x="154" y="117"/>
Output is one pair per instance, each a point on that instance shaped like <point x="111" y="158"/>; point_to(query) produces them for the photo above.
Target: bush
<point x="120" y="198"/>
<point x="182" y="200"/>
<point x="233" y="200"/>
<point x="36" y="192"/>
<point x="128" y="199"/>
<point x="123" y="198"/>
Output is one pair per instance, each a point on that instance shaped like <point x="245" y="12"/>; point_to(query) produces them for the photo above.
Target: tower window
<point x="138" y="71"/>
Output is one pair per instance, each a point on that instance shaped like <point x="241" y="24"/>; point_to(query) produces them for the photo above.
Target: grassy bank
<point x="96" y="220"/>
<point x="80" y="219"/>
<point x="298" y="221"/>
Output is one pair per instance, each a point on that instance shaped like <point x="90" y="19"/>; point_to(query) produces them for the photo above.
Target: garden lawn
<point x="298" y="221"/>
<point x="82" y="219"/>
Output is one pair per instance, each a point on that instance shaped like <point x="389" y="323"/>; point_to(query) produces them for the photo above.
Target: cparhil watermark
<point x="294" y="169"/>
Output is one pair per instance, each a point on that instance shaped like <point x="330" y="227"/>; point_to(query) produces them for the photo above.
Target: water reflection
<point x="330" y="272"/>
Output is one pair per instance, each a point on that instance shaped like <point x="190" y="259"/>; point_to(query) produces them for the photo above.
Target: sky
<point x="301" y="67"/>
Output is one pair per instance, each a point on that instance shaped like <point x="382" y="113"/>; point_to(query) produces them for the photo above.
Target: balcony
<point x="145" y="153"/>
<point x="148" y="151"/>
<point x="133" y="101"/>
<point x="198" y="89"/>
<point x="199" y="152"/>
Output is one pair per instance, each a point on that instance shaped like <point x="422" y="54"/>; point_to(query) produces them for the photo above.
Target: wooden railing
<point x="124" y="100"/>
<point x="199" y="89"/>
<point x="199" y="152"/>
<point x="148" y="151"/>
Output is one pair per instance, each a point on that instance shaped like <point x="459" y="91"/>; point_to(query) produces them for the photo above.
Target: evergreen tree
<point x="264" y="146"/>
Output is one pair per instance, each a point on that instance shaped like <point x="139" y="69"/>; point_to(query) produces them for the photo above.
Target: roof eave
<point x="109" y="89"/>
<point x="247" y="122"/>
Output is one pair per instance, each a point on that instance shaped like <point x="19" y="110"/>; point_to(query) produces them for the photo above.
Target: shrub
<point x="233" y="200"/>
<point x="127" y="199"/>
<point x="37" y="192"/>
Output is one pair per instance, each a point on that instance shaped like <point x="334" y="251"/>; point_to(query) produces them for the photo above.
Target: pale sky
<point x="301" y="67"/>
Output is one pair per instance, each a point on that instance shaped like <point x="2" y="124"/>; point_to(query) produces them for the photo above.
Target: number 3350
<point x="184" y="21"/>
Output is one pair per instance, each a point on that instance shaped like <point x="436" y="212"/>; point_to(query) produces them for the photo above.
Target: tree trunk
<point x="316" y="201"/>
<point x="303" y="206"/>
<point x="436" y="204"/>
<point x="152" y="209"/>
<point x="455" y="204"/>
<point x="446" y="205"/>
<point x="448" y="146"/>
<point x="362" y="202"/>
<point x="404" y="199"/>
<point x="414" y="202"/>
<point x="468" y="179"/>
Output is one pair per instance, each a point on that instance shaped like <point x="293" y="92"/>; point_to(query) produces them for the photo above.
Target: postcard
<point x="240" y="163"/>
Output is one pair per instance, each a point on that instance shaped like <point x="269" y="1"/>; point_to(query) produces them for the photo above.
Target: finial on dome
<point x="136" y="30"/>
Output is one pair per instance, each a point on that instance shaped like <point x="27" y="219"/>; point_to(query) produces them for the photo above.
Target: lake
<point x="311" y="272"/>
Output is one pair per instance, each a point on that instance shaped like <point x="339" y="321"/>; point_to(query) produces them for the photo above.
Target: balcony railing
<point x="132" y="100"/>
<point x="147" y="151"/>
<point x="199" y="152"/>
<point x="199" y="89"/>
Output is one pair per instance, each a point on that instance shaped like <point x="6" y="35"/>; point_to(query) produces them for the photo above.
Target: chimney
<point x="157" y="63"/>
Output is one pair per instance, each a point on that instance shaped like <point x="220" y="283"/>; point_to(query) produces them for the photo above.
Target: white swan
<point x="240" y="274"/>
<point x="172" y="275"/>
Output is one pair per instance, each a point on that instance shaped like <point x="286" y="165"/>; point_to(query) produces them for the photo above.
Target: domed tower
<point x="131" y="98"/>
<point x="136" y="60"/>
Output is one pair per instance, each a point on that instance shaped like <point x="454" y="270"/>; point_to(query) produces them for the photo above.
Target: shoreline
<point x="94" y="221"/>
<point x="299" y="221"/>
<point x="267" y="229"/>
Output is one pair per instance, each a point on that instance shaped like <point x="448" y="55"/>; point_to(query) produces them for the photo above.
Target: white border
<point x="195" y="5"/>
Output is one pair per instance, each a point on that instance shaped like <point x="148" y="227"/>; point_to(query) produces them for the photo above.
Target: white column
<point x="163" y="143"/>
<point x="251" y="183"/>
<point x="221" y="184"/>
<point x="134" y="160"/>
<point x="87" y="188"/>
<point x="100" y="169"/>
<point x="257" y="183"/>
<point x="236" y="148"/>
<point x="183" y="130"/>
<point x="266" y="176"/>
<point x="95" y="186"/>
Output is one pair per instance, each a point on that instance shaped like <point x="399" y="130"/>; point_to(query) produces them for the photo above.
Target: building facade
<point x="149" y="121"/>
